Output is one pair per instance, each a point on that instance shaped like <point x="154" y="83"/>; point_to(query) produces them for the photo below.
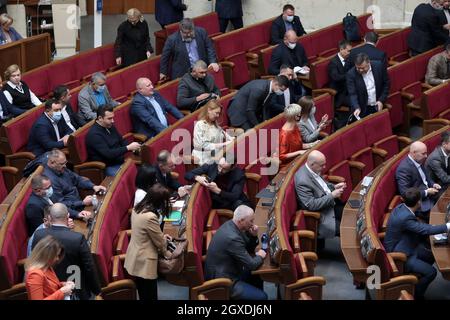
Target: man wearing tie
<point x="337" y="73"/>
<point x="148" y="110"/>
<point x="411" y="173"/>
<point x="438" y="164"/>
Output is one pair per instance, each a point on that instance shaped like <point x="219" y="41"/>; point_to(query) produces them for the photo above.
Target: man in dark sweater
<point x="104" y="143"/>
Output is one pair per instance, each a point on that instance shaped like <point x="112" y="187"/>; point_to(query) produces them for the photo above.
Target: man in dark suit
<point x="405" y="233"/>
<point x="232" y="255"/>
<point x="3" y="6"/>
<point x="229" y="11"/>
<point x="105" y="144"/>
<point x="42" y="197"/>
<point x="427" y="30"/>
<point x="165" y="165"/>
<point x="444" y="14"/>
<point x="182" y="49"/>
<point x="338" y="74"/>
<point x="73" y="120"/>
<point x="224" y="180"/>
<point x="167" y="12"/>
<point x="248" y="107"/>
<point x="287" y="21"/>
<point x="411" y="173"/>
<point x="438" y="164"/>
<point x="76" y="254"/>
<point x="149" y="110"/>
<point x="49" y="131"/>
<point x="291" y="95"/>
<point x="289" y="52"/>
<point x="367" y="85"/>
<point x="369" y="48"/>
<point x="196" y="88"/>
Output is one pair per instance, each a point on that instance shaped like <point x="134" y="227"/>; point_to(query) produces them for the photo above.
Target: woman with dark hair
<point x="309" y="128"/>
<point x="147" y="241"/>
<point x="40" y="279"/>
<point x="145" y="178"/>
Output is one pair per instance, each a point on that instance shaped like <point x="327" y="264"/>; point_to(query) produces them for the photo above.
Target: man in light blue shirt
<point x="149" y="110"/>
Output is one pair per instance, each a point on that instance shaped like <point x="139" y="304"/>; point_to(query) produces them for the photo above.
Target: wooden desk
<point x="81" y="226"/>
<point x="441" y="253"/>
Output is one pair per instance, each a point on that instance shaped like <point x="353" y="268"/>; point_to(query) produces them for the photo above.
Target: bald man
<point x="316" y="194"/>
<point x="290" y="53"/>
<point x="149" y="110"/>
<point x="232" y="254"/>
<point x="411" y="173"/>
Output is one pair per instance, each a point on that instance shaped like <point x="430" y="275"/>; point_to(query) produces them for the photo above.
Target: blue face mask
<point x="57" y="115"/>
<point x="101" y="88"/>
<point x="49" y="192"/>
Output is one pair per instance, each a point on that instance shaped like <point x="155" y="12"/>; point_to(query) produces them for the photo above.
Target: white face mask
<point x="279" y="92"/>
<point x="292" y="45"/>
<point x="290" y="18"/>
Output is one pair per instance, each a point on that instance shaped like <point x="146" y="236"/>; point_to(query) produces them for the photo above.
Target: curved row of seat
<point x="363" y="230"/>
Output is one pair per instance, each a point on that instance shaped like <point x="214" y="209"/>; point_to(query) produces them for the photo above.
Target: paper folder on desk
<point x="173" y="216"/>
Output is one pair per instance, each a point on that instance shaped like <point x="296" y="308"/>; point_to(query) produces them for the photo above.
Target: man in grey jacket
<point x="94" y="95"/>
<point x="196" y="88"/>
<point x="438" y="164"/>
<point x="315" y="194"/>
<point x="229" y="255"/>
<point x="438" y="70"/>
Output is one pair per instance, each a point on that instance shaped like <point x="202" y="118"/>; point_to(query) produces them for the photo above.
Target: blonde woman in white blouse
<point x="209" y="137"/>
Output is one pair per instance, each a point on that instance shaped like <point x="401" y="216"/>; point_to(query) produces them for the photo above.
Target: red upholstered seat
<point x="115" y="219"/>
<point x="307" y="42"/>
<point x="108" y="57"/>
<point x="3" y="189"/>
<point x="152" y="69"/>
<point x="433" y="142"/>
<point x="437" y="101"/>
<point x="265" y="57"/>
<point x="396" y="112"/>
<point x="80" y="145"/>
<point x="169" y="91"/>
<point x="319" y="74"/>
<point x="288" y="210"/>
<point x="14" y="246"/>
<point x="18" y="131"/>
<point x="74" y="98"/>
<point x="209" y="22"/>
<point x="329" y="150"/>
<point x="88" y="63"/>
<point x="37" y="81"/>
<point x="225" y="102"/>
<point x="342" y="169"/>
<point x="377" y="128"/>
<point x="325" y="43"/>
<point x="116" y="87"/>
<point x="219" y="80"/>
<point x="386" y="190"/>
<point x="122" y="119"/>
<point x="63" y="72"/>
<point x="130" y="75"/>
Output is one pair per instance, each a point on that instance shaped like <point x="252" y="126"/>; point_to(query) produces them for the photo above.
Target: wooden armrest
<point x="394" y="268"/>
<point x="407" y="95"/>
<point x="380" y="152"/>
<point x="120" y="240"/>
<point x="356" y="164"/>
<point x="396" y="281"/>
<point x="444" y="114"/>
<point x="381" y="235"/>
<point x="311" y="214"/>
<point x="304" y="285"/>
<point x="426" y="86"/>
<point x="330" y="91"/>
<point x="227" y="64"/>
<point x="253" y="176"/>
<point x="323" y="134"/>
<point x="20" y="263"/>
<point x="224" y="213"/>
<point x="119" y="287"/>
<point x="91" y="164"/>
<point x="139" y="137"/>
<point x="395" y="200"/>
<point x="267" y="77"/>
<point x="405" y="295"/>
<point x="359" y="153"/>
<point x="412" y="106"/>
<point x="398" y="256"/>
<point x="9" y="170"/>
<point x="112" y="69"/>
<point x="218" y="283"/>
<point x="251" y="55"/>
<point x="392" y="62"/>
<point x="335" y="179"/>
<point x="21" y="155"/>
<point x="116" y="262"/>
<point x="405" y="140"/>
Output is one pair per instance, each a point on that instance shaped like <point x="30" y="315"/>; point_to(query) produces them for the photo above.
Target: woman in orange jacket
<point x="41" y="281"/>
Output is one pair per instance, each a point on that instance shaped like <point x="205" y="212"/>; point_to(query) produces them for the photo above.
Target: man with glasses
<point x="184" y="48"/>
<point x="41" y="197"/>
<point x="289" y="53"/>
<point x="66" y="183"/>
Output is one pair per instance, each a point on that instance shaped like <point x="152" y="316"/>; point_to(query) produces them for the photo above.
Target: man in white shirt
<point x="438" y="163"/>
<point x="411" y="173"/>
<point x="368" y="86"/>
<point x="316" y="194"/>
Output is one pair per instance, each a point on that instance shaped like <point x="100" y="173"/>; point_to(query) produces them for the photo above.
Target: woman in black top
<point x="133" y="40"/>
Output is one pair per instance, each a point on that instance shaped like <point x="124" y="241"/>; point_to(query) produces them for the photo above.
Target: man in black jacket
<point x="232" y="255"/>
<point x="185" y="47"/>
<point x="77" y="263"/>
<point x="165" y="165"/>
<point x="289" y="52"/>
<point x="249" y="106"/>
<point x="369" y="48"/>
<point x="337" y="73"/>
<point x="368" y="86"/>
<point x="105" y="144"/>
<point x="287" y="21"/>
<point x="427" y="30"/>
<point x="224" y="180"/>
<point x="196" y="88"/>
